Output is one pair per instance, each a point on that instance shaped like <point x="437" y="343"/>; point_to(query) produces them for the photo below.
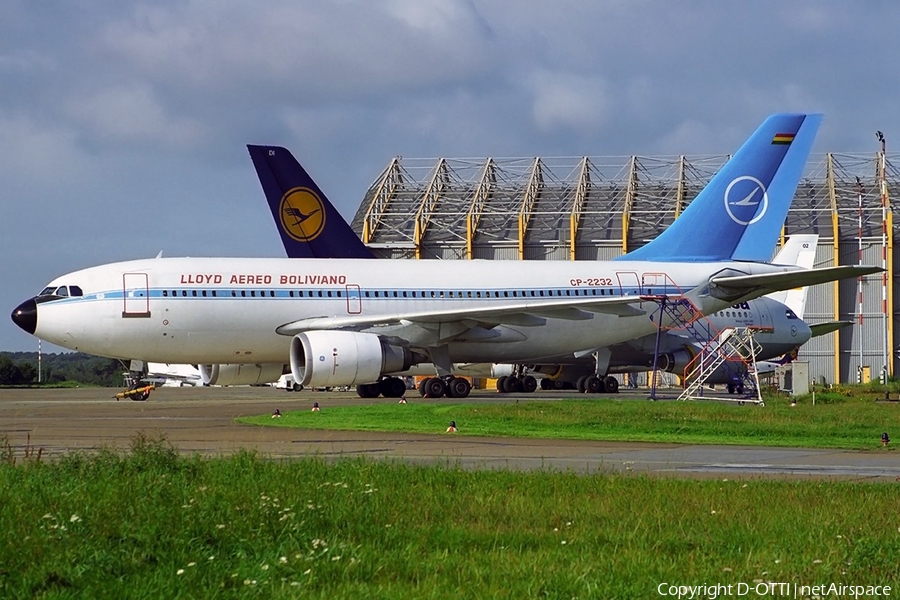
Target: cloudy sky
<point x="123" y="124"/>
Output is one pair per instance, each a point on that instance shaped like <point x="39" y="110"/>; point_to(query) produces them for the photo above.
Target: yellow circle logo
<point x="302" y="214"/>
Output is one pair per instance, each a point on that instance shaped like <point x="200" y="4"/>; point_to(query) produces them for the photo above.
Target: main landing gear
<point x="514" y="384"/>
<point x="450" y="386"/>
<point x="594" y="384"/>
<point x="389" y="387"/>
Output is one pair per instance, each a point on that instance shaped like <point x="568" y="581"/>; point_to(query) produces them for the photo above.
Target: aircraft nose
<point x="25" y="316"/>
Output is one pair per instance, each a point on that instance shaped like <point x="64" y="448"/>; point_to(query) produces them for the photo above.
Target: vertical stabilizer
<point x="739" y="214"/>
<point x="799" y="250"/>
<point x="309" y="225"/>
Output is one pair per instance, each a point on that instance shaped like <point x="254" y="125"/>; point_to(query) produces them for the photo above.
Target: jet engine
<point x="675" y="362"/>
<point x="239" y="374"/>
<point x="333" y="358"/>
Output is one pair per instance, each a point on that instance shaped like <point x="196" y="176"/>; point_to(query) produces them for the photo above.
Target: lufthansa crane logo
<point x="302" y="214"/>
<point x="746" y="200"/>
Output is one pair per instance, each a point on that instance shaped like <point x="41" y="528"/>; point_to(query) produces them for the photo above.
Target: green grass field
<point x="836" y="421"/>
<point x="153" y="524"/>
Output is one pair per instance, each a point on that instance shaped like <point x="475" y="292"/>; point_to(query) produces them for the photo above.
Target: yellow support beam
<point x="439" y="181"/>
<point x="682" y="185"/>
<point x="532" y="193"/>
<point x="890" y="289"/>
<point x="581" y="195"/>
<point x="384" y="193"/>
<point x="629" y="203"/>
<point x="836" y="260"/>
<point x="479" y="200"/>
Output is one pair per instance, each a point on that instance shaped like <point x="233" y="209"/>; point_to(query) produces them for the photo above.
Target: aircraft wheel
<point x="296" y="387"/>
<point x="579" y="384"/>
<point x="459" y="387"/>
<point x="547" y="384"/>
<point x="513" y="385"/>
<point x="435" y="387"/>
<point x="501" y="383"/>
<point x="594" y="385"/>
<point x="529" y="384"/>
<point x="139" y="397"/>
<point x="421" y="387"/>
<point x="612" y="384"/>
<point x="392" y="387"/>
<point x="367" y="390"/>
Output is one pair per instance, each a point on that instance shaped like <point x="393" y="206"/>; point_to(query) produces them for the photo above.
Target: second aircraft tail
<point x="739" y="214"/>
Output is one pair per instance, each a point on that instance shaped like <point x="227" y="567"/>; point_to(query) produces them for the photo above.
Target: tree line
<point x="21" y="368"/>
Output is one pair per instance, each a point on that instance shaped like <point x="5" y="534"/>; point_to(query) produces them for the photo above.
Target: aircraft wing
<point x="823" y="328"/>
<point x="518" y="313"/>
<point x="737" y="286"/>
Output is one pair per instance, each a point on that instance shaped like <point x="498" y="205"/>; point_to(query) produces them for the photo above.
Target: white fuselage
<point x="227" y="310"/>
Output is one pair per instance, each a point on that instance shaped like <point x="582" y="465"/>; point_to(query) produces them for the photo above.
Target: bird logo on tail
<point x="302" y="214"/>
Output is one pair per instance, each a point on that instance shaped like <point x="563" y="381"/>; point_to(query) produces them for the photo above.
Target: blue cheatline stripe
<point x="363" y="294"/>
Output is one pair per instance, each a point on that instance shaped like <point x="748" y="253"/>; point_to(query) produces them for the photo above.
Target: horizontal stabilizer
<point x="733" y="287"/>
<point x="824" y="328"/>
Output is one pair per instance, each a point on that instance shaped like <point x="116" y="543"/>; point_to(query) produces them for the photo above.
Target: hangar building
<point x="597" y="208"/>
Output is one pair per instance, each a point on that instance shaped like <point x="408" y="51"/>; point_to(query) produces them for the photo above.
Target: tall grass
<point x="152" y="524"/>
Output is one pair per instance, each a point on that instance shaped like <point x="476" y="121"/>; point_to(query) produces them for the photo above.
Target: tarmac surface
<point x="201" y="421"/>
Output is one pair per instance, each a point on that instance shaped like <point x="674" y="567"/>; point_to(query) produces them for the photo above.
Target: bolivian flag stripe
<point x="783" y="138"/>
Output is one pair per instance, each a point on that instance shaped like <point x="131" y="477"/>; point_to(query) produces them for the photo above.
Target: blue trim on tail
<point x="309" y="225"/>
<point x="740" y="213"/>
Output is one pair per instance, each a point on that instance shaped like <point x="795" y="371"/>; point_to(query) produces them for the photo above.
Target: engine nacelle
<point x="240" y="374"/>
<point x="333" y="358"/>
<point x="675" y="362"/>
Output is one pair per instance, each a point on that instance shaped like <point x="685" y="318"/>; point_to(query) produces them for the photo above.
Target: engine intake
<point x="333" y="358"/>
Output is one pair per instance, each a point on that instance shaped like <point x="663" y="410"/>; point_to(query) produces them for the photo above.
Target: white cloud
<point x="132" y="113"/>
<point x="566" y="100"/>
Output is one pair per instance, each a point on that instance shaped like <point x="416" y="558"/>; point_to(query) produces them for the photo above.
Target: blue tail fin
<point x="309" y="225"/>
<point x="740" y="213"/>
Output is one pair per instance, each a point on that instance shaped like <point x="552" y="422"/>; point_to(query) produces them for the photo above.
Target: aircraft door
<point x="659" y="284"/>
<point x="354" y="299"/>
<point x="629" y="284"/>
<point x="136" y="295"/>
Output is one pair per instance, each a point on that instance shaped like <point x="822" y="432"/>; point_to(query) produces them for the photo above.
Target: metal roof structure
<point x="597" y="208"/>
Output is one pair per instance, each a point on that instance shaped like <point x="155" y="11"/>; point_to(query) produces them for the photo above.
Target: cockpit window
<point x="790" y="314"/>
<point x="62" y="291"/>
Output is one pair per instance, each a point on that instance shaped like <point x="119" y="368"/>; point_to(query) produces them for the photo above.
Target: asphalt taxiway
<point x="201" y="421"/>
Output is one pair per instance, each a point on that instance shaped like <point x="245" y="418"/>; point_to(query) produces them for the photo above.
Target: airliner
<point x="352" y="321"/>
<point x="781" y="330"/>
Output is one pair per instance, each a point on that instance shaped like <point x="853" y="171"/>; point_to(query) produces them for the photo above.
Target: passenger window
<point x="165" y="293"/>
